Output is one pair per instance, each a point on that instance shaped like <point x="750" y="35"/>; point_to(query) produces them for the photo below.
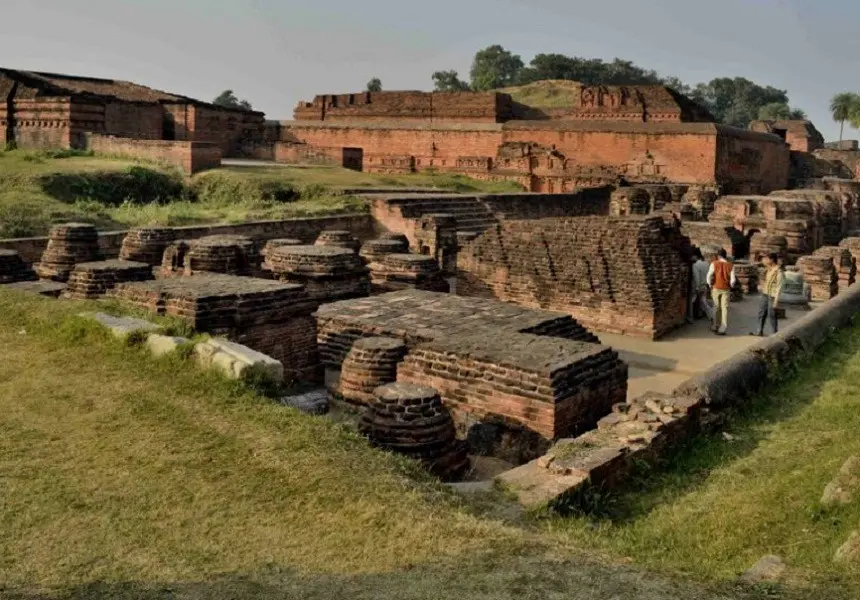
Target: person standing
<point x="770" y="294"/>
<point x="721" y="278"/>
<point x="700" y="285"/>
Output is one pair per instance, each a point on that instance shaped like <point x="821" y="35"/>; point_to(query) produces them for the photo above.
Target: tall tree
<point x="229" y="100"/>
<point x="449" y="81"/>
<point x="736" y="101"/>
<point x="780" y="111"/>
<point x="374" y="85"/>
<point x="845" y="106"/>
<point x="494" y="67"/>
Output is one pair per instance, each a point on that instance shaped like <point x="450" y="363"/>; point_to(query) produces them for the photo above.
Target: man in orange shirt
<point x="721" y="278"/>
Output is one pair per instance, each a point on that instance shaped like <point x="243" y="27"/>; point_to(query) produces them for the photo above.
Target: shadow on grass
<point x="690" y="465"/>
<point x="487" y="579"/>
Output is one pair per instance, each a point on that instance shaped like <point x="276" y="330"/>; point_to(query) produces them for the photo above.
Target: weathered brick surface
<point x="506" y="345"/>
<point x="553" y="386"/>
<point x="191" y="157"/>
<point x="625" y="275"/>
<point x="68" y="245"/>
<point x="329" y="273"/>
<point x="374" y="250"/>
<point x="411" y="420"/>
<point x="405" y="213"/>
<point x="146" y="244"/>
<point x="93" y="280"/>
<point x="559" y="156"/>
<point x="269" y="317"/>
<point x="338" y="238"/>
<point x="13" y="268"/>
<point x="820" y="275"/>
<point x="370" y="363"/>
<point x="305" y="229"/>
<point x="397" y="271"/>
<point x="844" y="263"/>
<point x="228" y="254"/>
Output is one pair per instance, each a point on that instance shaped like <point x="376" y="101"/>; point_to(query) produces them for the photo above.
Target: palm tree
<point x="844" y="106"/>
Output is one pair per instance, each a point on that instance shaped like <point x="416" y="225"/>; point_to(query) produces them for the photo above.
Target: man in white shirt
<point x="721" y="278"/>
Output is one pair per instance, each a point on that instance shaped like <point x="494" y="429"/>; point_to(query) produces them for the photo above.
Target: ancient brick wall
<point x="133" y="120"/>
<point x="407" y="106"/>
<point x="306" y="154"/>
<point x="191" y="157"/>
<point x="179" y="118"/>
<point x="39" y="124"/>
<point x="621" y="275"/>
<point x="503" y="376"/>
<point x="750" y="163"/>
<point x="402" y="213"/>
<point x="849" y="158"/>
<point x="225" y="127"/>
<point x="306" y="230"/>
<point x="380" y="139"/>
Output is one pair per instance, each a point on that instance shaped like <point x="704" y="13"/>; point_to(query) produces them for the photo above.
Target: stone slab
<point x="44" y="287"/>
<point x="122" y="327"/>
<point x="536" y="487"/>
<point x="160" y="345"/>
<point x="236" y="361"/>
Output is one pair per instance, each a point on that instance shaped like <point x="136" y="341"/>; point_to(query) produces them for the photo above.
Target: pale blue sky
<point x="276" y="52"/>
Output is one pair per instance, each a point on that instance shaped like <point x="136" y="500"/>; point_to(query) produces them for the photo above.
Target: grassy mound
<point x="546" y="94"/>
<point x="40" y="189"/>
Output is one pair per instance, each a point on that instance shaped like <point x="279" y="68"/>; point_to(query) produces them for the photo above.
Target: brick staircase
<point x="476" y="213"/>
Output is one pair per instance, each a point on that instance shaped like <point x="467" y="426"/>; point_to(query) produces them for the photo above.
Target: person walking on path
<point x="770" y="294"/>
<point x="700" y="285"/>
<point x="721" y="278"/>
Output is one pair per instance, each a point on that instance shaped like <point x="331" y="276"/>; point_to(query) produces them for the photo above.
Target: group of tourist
<point x="714" y="279"/>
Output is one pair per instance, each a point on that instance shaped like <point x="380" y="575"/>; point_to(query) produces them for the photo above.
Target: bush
<point x="136" y="185"/>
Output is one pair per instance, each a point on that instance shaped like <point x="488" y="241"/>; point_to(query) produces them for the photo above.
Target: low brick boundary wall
<point x="307" y="229"/>
<point x="651" y="425"/>
<point x="191" y="157"/>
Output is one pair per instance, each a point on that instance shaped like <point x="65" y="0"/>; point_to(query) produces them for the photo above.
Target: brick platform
<point x="338" y="239"/>
<point x="94" y="279"/>
<point x="13" y="268"/>
<point x="616" y="274"/>
<point x="329" y="273"/>
<point x="228" y="254"/>
<point x="68" y="245"/>
<point x="267" y="316"/>
<point x="395" y="272"/>
<point x="411" y="420"/>
<point x="374" y="250"/>
<point x="528" y="369"/>
<point x="146" y="244"/>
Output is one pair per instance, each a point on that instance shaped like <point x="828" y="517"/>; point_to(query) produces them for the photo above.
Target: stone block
<point x="160" y="345"/>
<point x="122" y="327"/>
<point x="237" y="361"/>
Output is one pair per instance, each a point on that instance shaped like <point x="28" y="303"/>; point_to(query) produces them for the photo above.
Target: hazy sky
<point x="275" y="52"/>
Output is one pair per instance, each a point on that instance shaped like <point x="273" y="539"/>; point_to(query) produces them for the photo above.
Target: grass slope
<point x="724" y="503"/>
<point x="40" y="189"/>
<point x="123" y="476"/>
<point x="546" y="94"/>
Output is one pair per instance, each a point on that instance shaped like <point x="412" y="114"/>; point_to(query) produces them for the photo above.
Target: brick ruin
<point x="528" y="370"/>
<point x="624" y="275"/>
<point x="268" y="316"/>
<point x="49" y="110"/>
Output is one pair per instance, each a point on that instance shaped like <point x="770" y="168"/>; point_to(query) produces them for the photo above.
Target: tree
<point x="374" y="85"/>
<point x="780" y="111"/>
<point x="449" y="81"/>
<point x="494" y="67"/>
<point x="736" y="101"/>
<point x="228" y="99"/>
<point x="845" y="106"/>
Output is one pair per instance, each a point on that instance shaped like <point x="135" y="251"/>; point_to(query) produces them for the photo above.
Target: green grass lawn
<point x="126" y="476"/>
<point x="41" y="189"/>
